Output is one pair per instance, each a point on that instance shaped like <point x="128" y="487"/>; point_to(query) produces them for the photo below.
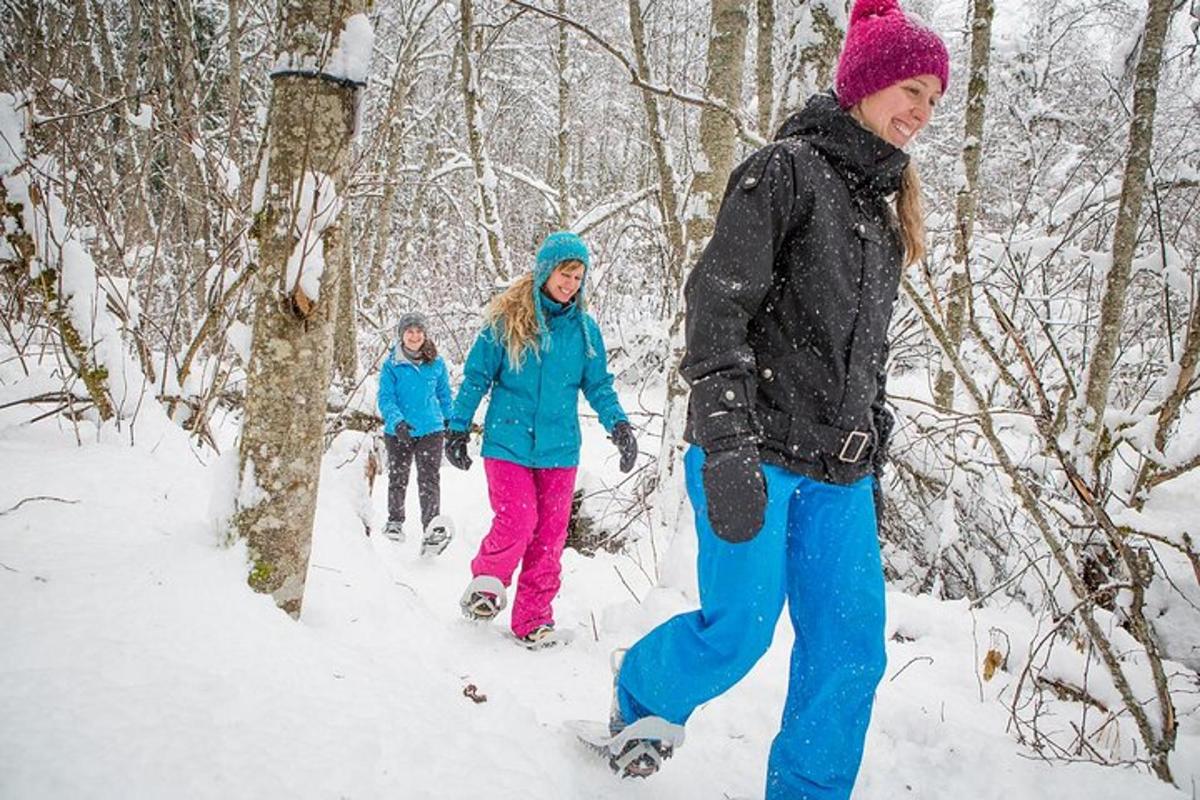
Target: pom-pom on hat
<point x="884" y="46"/>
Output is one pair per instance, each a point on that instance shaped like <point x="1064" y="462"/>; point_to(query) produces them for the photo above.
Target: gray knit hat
<point x="413" y="319"/>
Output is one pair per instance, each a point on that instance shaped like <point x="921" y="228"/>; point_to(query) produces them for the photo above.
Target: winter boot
<point x="483" y="599"/>
<point x="394" y="530"/>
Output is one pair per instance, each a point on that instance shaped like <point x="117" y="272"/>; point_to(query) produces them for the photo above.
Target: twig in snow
<point x="43" y="497"/>
<point x="626" y="584"/>
<point x="909" y="664"/>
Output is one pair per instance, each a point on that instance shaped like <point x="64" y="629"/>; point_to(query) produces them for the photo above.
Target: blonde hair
<point x="911" y="215"/>
<point x="513" y="319"/>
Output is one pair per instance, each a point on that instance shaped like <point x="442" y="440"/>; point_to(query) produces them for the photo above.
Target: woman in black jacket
<point x="788" y="309"/>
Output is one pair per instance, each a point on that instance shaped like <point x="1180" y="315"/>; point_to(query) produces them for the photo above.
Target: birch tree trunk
<point x="667" y="482"/>
<point x="726" y="57"/>
<point x="967" y="198"/>
<point x="564" y="144"/>
<point x="310" y="124"/>
<point x="809" y="64"/>
<point x="490" y="230"/>
<point x="718" y="132"/>
<point x="764" y="73"/>
<point x="1133" y="186"/>
<point x="235" y="81"/>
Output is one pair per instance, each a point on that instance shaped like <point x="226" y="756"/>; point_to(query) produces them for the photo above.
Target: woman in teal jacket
<point x="539" y="350"/>
<point x="414" y="400"/>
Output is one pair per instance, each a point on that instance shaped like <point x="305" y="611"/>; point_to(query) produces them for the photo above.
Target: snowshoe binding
<point x="638" y="749"/>
<point x="394" y="531"/>
<point x="543" y="637"/>
<point x="483" y="599"/>
<point x="438" y="534"/>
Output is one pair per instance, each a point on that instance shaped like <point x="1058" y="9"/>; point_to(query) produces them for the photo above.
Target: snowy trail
<point x="135" y="663"/>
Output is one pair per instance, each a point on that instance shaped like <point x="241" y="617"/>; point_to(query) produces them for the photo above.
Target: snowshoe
<point x="543" y="637"/>
<point x="483" y="599"/>
<point x="438" y="534"/>
<point x="394" y="531"/>
<point x="638" y="750"/>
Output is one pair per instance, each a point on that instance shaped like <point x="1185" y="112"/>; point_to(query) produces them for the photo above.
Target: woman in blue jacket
<point x="538" y="350"/>
<point x="414" y="400"/>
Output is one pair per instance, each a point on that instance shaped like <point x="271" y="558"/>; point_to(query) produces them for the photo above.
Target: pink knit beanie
<point x="882" y="47"/>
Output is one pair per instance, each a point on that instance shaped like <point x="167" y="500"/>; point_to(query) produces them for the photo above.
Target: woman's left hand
<point x="623" y="438"/>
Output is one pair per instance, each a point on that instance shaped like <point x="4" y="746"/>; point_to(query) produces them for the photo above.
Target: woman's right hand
<point x="456" y="450"/>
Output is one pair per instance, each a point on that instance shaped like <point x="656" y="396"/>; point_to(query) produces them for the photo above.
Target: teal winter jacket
<point x="418" y="394"/>
<point x="533" y="416"/>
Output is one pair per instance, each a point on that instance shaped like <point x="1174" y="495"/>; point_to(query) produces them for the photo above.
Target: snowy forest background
<point x="1043" y="365"/>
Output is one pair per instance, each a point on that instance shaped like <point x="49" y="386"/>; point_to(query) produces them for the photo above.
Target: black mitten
<point x="403" y="431"/>
<point x="456" y="450"/>
<point x="735" y="492"/>
<point x="623" y="438"/>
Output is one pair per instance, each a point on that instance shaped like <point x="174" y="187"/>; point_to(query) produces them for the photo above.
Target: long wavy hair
<point x="911" y="214"/>
<point x="513" y="319"/>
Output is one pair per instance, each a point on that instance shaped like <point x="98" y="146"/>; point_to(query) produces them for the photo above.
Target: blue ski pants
<point x="818" y="549"/>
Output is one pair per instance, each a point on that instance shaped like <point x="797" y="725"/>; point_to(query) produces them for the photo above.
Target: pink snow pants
<point x="531" y="507"/>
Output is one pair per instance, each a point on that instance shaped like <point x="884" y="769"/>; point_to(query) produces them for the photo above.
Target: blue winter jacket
<point x="533" y="416"/>
<point x="412" y="393"/>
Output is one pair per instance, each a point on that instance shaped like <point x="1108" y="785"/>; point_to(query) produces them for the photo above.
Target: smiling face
<point x="896" y="114"/>
<point x="564" y="281"/>
<point x="414" y="337"/>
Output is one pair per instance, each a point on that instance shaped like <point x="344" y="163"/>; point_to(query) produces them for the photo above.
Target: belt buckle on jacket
<point x="863" y="439"/>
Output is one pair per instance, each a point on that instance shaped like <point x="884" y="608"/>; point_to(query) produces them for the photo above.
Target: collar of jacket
<point x="867" y="163"/>
<point x="553" y="308"/>
<point x="400" y="355"/>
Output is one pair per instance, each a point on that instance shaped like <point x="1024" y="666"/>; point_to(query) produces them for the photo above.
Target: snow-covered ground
<point x="136" y="663"/>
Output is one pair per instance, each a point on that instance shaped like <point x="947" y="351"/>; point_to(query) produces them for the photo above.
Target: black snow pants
<point x="427" y="452"/>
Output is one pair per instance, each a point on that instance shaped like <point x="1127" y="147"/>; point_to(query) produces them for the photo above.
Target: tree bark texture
<point x="764" y="72"/>
<point x="675" y="403"/>
<point x="563" y="141"/>
<point x="726" y="57"/>
<point x="967" y="198"/>
<point x="310" y="125"/>
<point x="487" y="203"/>
<point x="1133" y="187"/>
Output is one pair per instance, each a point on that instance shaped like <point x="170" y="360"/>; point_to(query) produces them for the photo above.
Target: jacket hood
<point x="867" y="163"/>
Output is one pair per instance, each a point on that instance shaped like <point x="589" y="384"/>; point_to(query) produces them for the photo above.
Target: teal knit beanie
<point x="558" y="247"/>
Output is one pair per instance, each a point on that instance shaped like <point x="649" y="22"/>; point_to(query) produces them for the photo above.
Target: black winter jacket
<point x="789" y="304"/>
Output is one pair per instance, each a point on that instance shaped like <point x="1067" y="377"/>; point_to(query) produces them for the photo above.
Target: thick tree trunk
<point x="726" y="57"/>
<point x="1133" y="186"/>
<point x="310" y="123"/>
<point x="967" y="199"/>
<point x="817" y="40"/>
<point x="764" y="72"/>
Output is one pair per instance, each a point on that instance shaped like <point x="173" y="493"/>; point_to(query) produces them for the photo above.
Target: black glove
<point x="622" y="437"/>
<point x="735" y="492"/>
<point x="456" y="450"/>
<point x="403" y="431"/>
